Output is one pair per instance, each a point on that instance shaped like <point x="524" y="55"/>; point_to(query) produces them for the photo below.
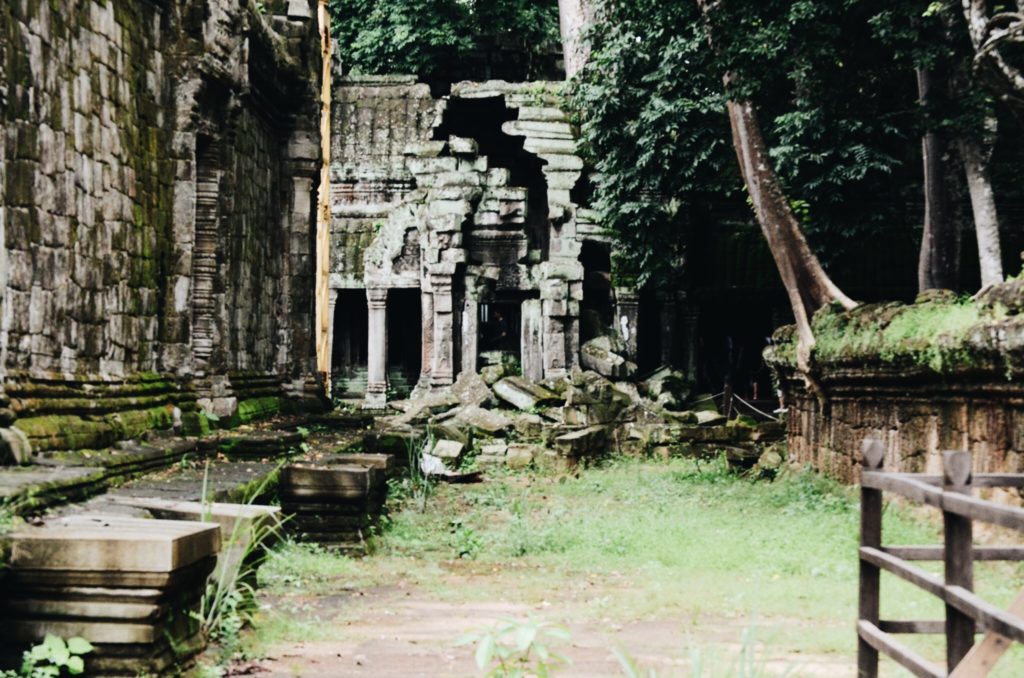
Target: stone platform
<point x="127" y="585"/>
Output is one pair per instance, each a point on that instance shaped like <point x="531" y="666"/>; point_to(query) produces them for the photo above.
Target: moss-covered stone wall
<point x="943" y="373"/>
<point x="105" y="108"/>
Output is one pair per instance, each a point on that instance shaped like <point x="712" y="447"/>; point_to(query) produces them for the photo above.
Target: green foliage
<point x="834" y="86"/>
<point x="464" y="540"/>
<point x="435" y="38"/>
<point x="518" y="648"/>
<point x="53" y="657"/>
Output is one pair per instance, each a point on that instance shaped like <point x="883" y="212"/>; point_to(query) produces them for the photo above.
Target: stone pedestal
<point x="377" y="349"/>
<point x="129" y="586"/>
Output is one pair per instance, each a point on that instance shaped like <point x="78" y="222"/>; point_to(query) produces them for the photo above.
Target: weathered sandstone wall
<point x="159" y="161"/>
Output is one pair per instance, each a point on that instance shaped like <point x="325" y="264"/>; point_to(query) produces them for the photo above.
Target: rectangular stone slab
<point x="325" y="494"/>
<point x="341" y="476"/>
<point x="113" y="543"/>
<point x="340" y="509"/>
<point x="234" y="519"/>
<point x="81" y="609"/>
<point x="118" y="582"/>
<point x="384" y="462"/>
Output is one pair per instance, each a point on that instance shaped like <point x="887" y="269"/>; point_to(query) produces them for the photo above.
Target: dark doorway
<point x="405" y="340"/>
<point x="648" y="331"/>
<point x="350" y="341"/>
<point x="501" y="322"/>
<point x="596" y="309"/>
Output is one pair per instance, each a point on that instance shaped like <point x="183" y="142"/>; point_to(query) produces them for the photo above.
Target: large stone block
<point x="113" y="543"/>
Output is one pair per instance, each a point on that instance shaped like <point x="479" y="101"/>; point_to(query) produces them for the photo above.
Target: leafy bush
<point x="434" y="38"/>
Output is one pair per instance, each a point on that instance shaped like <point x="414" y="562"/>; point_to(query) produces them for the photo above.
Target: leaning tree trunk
<point x="807" y="285"/>
<point x="938" y="264"/>
<point x="574" y="18"/>
<point x="976" y="161"/>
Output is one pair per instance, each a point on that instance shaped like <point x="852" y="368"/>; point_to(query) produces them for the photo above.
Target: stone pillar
<point x="442" y="368"/>
<point x="532" y="340"/>
<point x="470" y="333"/>
<point x="689" y="315"/>
<point x="332" y="304"/>
<point x="667" y="312"/>
<point x="627" y="314"/>
<point x="377" y="349"/>
<point x="427" y="346"/>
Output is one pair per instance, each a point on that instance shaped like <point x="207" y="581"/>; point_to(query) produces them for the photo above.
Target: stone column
<point x="377" y="349"/>
<point x="427" y="345"/>
<point x="532" y="340"/>
<point x="332" y="304"/>
<point x="442" y="368"/>
<point x="470" y="333"/>
<point x="627" y="314"/>
<point x="667" y="311"/>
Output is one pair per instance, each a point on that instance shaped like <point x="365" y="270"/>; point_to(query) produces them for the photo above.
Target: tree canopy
<point x="442" y="38"/>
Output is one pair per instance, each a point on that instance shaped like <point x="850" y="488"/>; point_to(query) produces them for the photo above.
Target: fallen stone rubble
<point x="500" y="419"/>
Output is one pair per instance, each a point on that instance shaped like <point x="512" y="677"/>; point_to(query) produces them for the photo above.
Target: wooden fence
<point x="966" y="613"/>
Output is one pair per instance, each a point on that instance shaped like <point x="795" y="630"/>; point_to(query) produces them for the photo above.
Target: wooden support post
<point x="321" y="282"/>
<point x="872" y="453"/>
<point x="958" y="558"/>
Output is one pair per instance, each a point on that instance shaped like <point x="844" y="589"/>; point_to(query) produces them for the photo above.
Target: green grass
<point x="639" y="541"/>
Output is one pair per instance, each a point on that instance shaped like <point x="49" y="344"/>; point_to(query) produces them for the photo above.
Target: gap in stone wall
<point x="481" y="120"/>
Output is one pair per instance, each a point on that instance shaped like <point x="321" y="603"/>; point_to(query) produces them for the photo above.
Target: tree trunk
<point x="807" y="285"/>
<point x="938" y="264"/>
<point x="983" y="203"/>
<point x="574" y="17"/>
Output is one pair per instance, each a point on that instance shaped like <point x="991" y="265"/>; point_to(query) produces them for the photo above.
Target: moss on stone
<point x="66" y="432"/>
<point x="258" y="408"/>
<point x="938" y="334"/>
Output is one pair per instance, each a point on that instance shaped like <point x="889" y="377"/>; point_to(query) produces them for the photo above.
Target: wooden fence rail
<point x="966" y="613"/>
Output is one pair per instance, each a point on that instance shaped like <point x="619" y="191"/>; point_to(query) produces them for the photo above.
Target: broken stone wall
<point x="470" y="198"/>
<point x="882" y="372"/>
<point x="159" y="163"/>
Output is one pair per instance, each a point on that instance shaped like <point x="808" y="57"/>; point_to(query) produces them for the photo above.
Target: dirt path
<point x="408" y="631"/>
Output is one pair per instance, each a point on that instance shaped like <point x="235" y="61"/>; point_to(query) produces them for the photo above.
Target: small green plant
<point x="53" y="657"/>
<point x="465" y="540"/>
<point x="518" y="648"/>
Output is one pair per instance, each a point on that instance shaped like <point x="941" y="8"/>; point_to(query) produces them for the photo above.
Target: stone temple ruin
<point x="160" y="165"/>
<point x="465" y="215"/>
